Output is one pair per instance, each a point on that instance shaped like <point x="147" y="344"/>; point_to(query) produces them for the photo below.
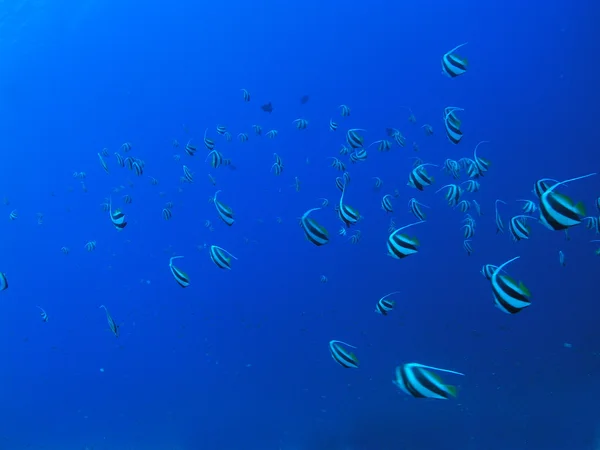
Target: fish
<point x="111" y="323"/>
<point x="418" y="177"/>
<point x="346" y="213"/>
<point x="452" y="124"/>
<point x="345" y="110"/>
<point x="509" y="296"/>
<point x="314" y="232"/>
<point x="454" y="65"/>
<point x="499" y="223"/>
<point x="267" y="107"/>
<point x="224" y="211"/>
<point x="518" y="227"/>
<point x="415" y="208"/>
<point x="180" y="276"/>
<point x="384" y="306"/>
<point x="386" y="203"/>
<point x="221" y="257"/>
<point x="400" y="245"/>
<point x="559" y="212"/>
<point x="418" y="381"/>
<point x="43" y="314"/>
<point x="304" y="99"/>
<point x="3" y="282"/>
<point x="117" y="217"/>
<point x="342" y="356"/>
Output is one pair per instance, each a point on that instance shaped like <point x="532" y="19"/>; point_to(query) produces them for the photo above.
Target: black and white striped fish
<point x="418" y="381"/>
<point x="509" y="296"/>
<point x="180" y="276"/>
<point x="452" y="124"/>
<point x="117" y="217"/>
<point x="342" y="356"/>
<point x="452" y="64"/>
<point x="415" y="207"/>
<point x="314" y="232"/>
<point x="400" y="245"/>
<point x="224" y="211"/>
<point x="559" y="212"/>
<point x="384" y="305"/>
<point x="518" y="228"/>
<point x="347" y="213"/>
<point x="221" y="257"/>
<point x="419" y="178"/>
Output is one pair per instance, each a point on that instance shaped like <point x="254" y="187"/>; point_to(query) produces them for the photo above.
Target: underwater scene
<point x="269" y="225"/>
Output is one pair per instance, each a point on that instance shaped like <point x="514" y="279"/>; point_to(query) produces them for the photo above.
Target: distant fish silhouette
<point x="267" y="107"/>
<point x="304" y="99"/>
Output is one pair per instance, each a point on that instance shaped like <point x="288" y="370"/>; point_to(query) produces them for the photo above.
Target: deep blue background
<point x="239" y="359"/>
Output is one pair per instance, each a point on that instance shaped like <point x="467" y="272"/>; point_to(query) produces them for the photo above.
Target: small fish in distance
<point x="267" y="107"/>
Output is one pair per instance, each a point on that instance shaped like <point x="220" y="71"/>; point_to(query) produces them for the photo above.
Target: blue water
<point x="239" y="359"/>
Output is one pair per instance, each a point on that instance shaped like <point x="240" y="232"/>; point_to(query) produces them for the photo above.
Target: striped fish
<point x="452" y="124"/>
<point x="359" y="155"/>
<point x="386" y="203"/>
<point x="43" y="314"/>
<point x="224" y="211"/>
<point x="529" y="206"/>
<point x="384" y="305"/>
<point x="400" y="245"/>
<point x="518" y="228"/>
<point x="314" y="232"/>
<point x="415" y="207"/>
<point x="509" y="296"/>
<point x="180" y="276"/>
<point x="117" y="217"/>
<point x="221" y="257"/>
<point x="453" y="193"/>
<point x="452" y="64"/>
<point x="347" y="214"/>
<point x="499" y="223"/>
<point x="190" y="148"/>
<point x="416" y="380"/>
<point x="111" y="323"/>
<point x="332" y="125"/>
<point x="103" y="163"/>
<point x="419" y="178"/>
<point x="120" y="160"/>
<point x="345" y="111"/>
<point x="468" y="247"/>
<point x="3" y="282"/>
<point x="353" y="139"/>
<point x="559" y="212"/>
<point x="342" y="356"/>
<point x="208" y="142"/>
